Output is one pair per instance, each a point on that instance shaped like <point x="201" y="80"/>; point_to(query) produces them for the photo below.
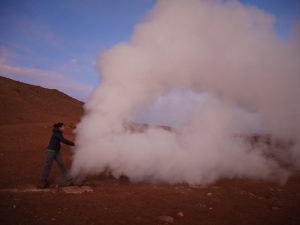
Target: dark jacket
<point x="56" y="138"/>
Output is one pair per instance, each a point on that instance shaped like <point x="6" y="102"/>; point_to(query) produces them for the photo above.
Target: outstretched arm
<point x="63" y="140"/>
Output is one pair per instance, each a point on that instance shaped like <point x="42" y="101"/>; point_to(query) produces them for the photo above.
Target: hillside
<point x="25" y="103"/>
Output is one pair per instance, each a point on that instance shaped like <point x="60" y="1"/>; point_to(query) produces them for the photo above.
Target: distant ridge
<point x="26" y="103"/>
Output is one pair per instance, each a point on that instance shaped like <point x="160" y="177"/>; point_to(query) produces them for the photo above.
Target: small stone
<point x="180" y="214"/>
<point x="251" y="195"/>
<point x="77" y="190"/>
<point x="53" y="219"/>
<point x="209" y="194"/>
<point x="210" y="208"/>
<point x="14" y="206"/>
<point x="166" y="219"/>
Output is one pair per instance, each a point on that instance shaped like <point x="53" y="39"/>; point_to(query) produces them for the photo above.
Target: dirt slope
<point x="25" y="103"/>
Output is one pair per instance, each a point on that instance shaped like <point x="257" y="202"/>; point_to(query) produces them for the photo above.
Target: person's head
<point x="59" y="126"/>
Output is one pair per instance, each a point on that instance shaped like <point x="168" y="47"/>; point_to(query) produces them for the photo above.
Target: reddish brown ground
<point x="26" y="115"/>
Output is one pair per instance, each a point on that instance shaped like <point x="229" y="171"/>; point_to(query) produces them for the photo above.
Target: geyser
<point x="214" y="69"/>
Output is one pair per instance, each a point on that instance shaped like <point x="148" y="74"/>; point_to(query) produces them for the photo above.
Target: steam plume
<point x="215" y="70"/>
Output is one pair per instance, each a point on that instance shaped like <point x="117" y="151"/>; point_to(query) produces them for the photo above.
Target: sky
<point x="55" y="44"/>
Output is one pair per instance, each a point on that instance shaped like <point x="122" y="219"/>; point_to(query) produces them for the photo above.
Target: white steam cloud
<point x="214" y="70"/>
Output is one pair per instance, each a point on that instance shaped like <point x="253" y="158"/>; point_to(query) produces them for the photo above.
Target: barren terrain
<point x="26" y="116"/>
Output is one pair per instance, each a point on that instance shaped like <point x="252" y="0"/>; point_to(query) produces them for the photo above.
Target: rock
<point x="251" y="195"/>
<point x="180" y="214"/>
<point x="77" y="190"/>
<point x="166" y="219"/>
<point x="209" y="194"/>
<point x="30" y="189"/>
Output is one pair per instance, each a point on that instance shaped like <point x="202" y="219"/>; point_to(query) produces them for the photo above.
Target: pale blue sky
<point x="55" y="43"/>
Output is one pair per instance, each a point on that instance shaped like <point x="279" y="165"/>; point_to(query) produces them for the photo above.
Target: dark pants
<point x="51" y="155"/>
